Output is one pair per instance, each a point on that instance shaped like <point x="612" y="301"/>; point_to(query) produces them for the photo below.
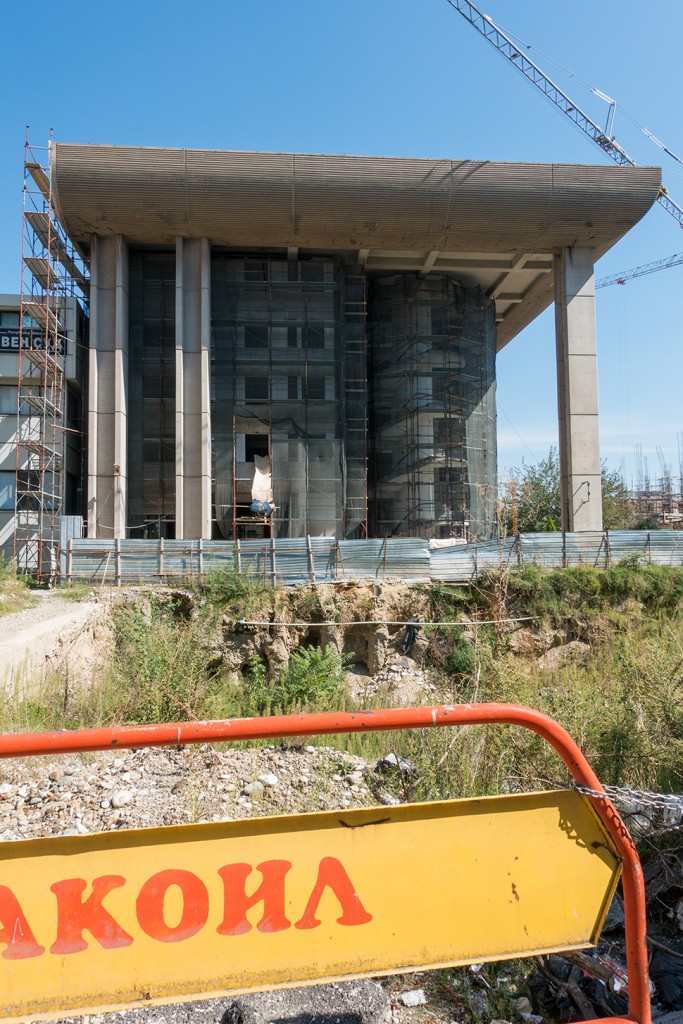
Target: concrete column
<point x="577" y="390"/>
<point x="108" y="388"/>
<point x="193" y="388"/>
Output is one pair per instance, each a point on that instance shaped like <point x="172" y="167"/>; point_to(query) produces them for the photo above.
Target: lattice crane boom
<point x="645" y="268"/>
<point x="510" y="50"/>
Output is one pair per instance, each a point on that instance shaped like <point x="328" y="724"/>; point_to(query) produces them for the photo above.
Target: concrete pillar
<point x="577" y="390"/>
<point x="108" y="388"/>
<point x="193" y="388"/>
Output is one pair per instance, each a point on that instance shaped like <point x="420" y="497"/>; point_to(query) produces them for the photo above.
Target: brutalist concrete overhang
<point x="496" y="225"/>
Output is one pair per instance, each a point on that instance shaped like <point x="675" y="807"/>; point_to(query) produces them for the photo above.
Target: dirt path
<point x="38" y="639"/>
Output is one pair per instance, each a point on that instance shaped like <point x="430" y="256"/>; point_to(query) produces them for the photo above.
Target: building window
<point x="256" y="444"/>
<point x="7" y="491"/>
<point x="9" y="318"/>
<point x="256" y="389"/>
<point x="8" y="399"/>
<point x="255" y="270"/>
<point x="314" y="335"/>
<point x="292" y="388"/>
<point x="256" y="335"/>
<point x="446" y="431"/>
<point x="312" y="271"/>
<point x="314" y="388"/>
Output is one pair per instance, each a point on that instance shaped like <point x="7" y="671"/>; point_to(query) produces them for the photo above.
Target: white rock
<point x="121" y="798"/>
<point x="415" y="997"/>
<point x="253" y="789"/>
<point x="268" y="779"/>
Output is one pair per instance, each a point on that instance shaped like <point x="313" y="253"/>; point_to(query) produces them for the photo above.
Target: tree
<point x="531" y="494"/>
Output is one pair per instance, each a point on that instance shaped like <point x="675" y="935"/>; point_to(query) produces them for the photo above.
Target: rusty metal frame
<point x="329" y="723"/>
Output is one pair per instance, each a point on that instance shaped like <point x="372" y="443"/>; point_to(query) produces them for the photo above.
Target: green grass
<point x="15" y="588"/>
<point x="623" y="704"/>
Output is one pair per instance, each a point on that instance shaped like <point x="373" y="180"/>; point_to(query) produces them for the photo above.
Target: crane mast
<point x="544" y="84"/>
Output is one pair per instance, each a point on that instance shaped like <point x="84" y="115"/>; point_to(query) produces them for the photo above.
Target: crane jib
<point x="495" y="35"/>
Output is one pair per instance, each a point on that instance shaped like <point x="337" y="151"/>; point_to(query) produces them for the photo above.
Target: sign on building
<point x="10" y="341"/>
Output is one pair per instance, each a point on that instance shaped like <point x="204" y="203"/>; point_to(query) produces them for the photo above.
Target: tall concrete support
<point x="577" y="390"/>
<point x="193" y="388"/>
<point x="108" y="388"/>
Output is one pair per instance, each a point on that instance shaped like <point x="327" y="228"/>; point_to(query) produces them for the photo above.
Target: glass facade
<point x="151" y="395"/>
<point x="348" y="416"/>
<point x="432" y="427"/>
<point x="278" y="393"/>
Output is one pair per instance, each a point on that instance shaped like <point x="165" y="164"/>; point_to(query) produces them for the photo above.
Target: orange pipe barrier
<point x="329" y="723"/>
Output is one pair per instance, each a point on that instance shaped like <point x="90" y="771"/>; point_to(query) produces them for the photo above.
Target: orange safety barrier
<point x="330" y="723"/>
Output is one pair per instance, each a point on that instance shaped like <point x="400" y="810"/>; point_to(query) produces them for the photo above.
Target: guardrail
<point x="288" y="561"/>
<point x="133" y="976"/>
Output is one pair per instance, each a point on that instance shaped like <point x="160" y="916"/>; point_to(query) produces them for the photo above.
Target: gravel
<point x="75" y="795"/>
<point x="71" y="795"/>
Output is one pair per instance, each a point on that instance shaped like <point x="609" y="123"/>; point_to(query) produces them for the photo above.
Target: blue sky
<point x="387" y="77"/>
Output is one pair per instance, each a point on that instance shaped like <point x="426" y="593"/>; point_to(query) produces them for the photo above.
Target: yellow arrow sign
<point x="119" y="919"/>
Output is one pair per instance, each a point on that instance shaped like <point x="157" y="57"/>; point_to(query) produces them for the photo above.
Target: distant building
<point x="288" y="345"/>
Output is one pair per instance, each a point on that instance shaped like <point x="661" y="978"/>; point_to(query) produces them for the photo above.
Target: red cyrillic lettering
<point x="149" y="906"/>
<point x="271" y="892"/>
<point x="332" y="874"/>
<point x="15" y="930"/>
<point x="74" y="915"/>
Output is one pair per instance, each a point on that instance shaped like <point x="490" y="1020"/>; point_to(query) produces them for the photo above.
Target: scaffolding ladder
<point x="354" y="314"/>
<point x="52" y="274"/>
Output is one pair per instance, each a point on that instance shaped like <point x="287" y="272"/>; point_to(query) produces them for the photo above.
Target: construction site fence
<point x="288" y="561"/>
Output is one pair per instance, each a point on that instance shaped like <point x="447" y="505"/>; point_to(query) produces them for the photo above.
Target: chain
<point x="639" y="800"/>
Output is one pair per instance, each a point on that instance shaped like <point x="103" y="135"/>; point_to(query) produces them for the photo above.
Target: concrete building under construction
<point x="287" y="345"/>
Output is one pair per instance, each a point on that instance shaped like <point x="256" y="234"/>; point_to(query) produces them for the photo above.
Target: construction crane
<point x="645" y="268"/>
<point x="533" y="73"/>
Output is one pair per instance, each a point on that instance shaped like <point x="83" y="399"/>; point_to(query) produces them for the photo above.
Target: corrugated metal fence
<point x="326" y="560"/>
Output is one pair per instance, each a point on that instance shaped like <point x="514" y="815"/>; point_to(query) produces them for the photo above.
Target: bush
<point x="162" y="666"/>
<point x="314" y="680"/>
<point x="240" y="592"/>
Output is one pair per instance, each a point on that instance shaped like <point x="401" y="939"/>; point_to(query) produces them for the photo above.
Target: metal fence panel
<point x="404" y="557"/>
<point x="545" y="549"/>
<point x="288" y="561"/>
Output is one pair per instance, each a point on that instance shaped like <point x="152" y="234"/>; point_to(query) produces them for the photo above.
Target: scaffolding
<point x="433" y="449"/>
<point x="53" y="286"/>
<point x="289" y="396"/>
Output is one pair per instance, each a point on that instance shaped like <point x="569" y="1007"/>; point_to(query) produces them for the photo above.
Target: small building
<point x="15" y="461"/>
<point x="287" y="345"/>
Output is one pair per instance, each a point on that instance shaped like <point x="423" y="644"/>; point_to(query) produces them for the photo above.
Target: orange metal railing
<point x="328" y="723"/>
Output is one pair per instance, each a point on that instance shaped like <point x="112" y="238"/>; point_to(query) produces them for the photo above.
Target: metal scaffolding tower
<point x="53" y="281"/>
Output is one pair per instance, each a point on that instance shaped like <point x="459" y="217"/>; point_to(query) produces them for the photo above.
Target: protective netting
<point x="290" y="397"/>
<point x="288" y="356"/>
<point x="433" y="418"/>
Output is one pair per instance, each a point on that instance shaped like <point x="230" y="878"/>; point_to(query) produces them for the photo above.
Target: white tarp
<point x="262" y="487"/>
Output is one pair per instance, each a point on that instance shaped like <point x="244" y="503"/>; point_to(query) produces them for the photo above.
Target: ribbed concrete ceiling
<point x="493" y="224"/>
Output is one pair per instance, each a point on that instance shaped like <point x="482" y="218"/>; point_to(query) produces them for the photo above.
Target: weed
<point x="15" y="588"/>
<point x="76" y="591"/>
<point x="240" y="592"/>
<point x="314" y="679"/>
